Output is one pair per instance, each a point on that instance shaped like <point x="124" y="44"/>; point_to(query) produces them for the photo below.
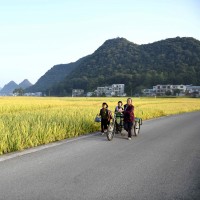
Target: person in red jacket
<point x="128" y="117"/>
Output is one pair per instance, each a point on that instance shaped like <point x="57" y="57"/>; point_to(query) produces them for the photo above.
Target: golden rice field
<point x="31" y="121"/>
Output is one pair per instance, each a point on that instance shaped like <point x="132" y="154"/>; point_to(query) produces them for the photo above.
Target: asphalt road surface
<point x="163" y="162"/>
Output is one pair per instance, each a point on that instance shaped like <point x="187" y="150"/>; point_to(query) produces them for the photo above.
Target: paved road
<point x="163" y="162"/>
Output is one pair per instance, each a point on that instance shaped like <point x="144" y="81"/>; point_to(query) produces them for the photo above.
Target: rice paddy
<point x="31" y="121"/>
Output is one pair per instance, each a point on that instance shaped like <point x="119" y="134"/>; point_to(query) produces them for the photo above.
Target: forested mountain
<point x="170" y="61"/>
<point x="8" y="88"/>
<point x="55" y="75"/>
<point x="25" y="84"/>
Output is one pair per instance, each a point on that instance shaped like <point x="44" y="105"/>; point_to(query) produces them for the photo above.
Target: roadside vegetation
<point x="31" y="121"/>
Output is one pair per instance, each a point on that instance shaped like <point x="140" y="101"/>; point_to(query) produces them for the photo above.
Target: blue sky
<point x="37" y="34"/>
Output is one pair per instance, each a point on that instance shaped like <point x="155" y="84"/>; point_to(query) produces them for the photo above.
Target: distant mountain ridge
<point x="53" y="76"/>
<point x="169" y="61"/>
<point x="25" y="84"/>
<point x="11" y="86"/>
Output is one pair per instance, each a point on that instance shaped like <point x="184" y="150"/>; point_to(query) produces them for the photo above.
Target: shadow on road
<point x="99" y="136"/>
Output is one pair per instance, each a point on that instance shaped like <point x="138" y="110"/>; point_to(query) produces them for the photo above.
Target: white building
<point x="77" y="92"/>
<point x="90" y="94"/>
<point x="162" y="89"/>
<point x="118" y="90"/>
<point x="35" y="94"/>
<point x="107" y="90"/>
<point x="148" y="92"/>
<point x="190" y="89"/>
<point x="113" y="90"/>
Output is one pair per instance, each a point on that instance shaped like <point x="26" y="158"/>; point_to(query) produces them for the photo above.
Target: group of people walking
<point x="127" y="111"/>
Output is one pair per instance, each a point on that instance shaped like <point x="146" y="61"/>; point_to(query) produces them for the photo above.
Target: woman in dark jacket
<point x="129" y="117"/>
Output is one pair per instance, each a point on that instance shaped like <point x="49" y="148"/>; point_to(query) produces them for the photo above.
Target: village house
<point x="113" y="90"/>
<point x="193" y="90"/>
<point x="162" y="90"/>
<point x="178" y="90"/>
<point x="77" y="92"/>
